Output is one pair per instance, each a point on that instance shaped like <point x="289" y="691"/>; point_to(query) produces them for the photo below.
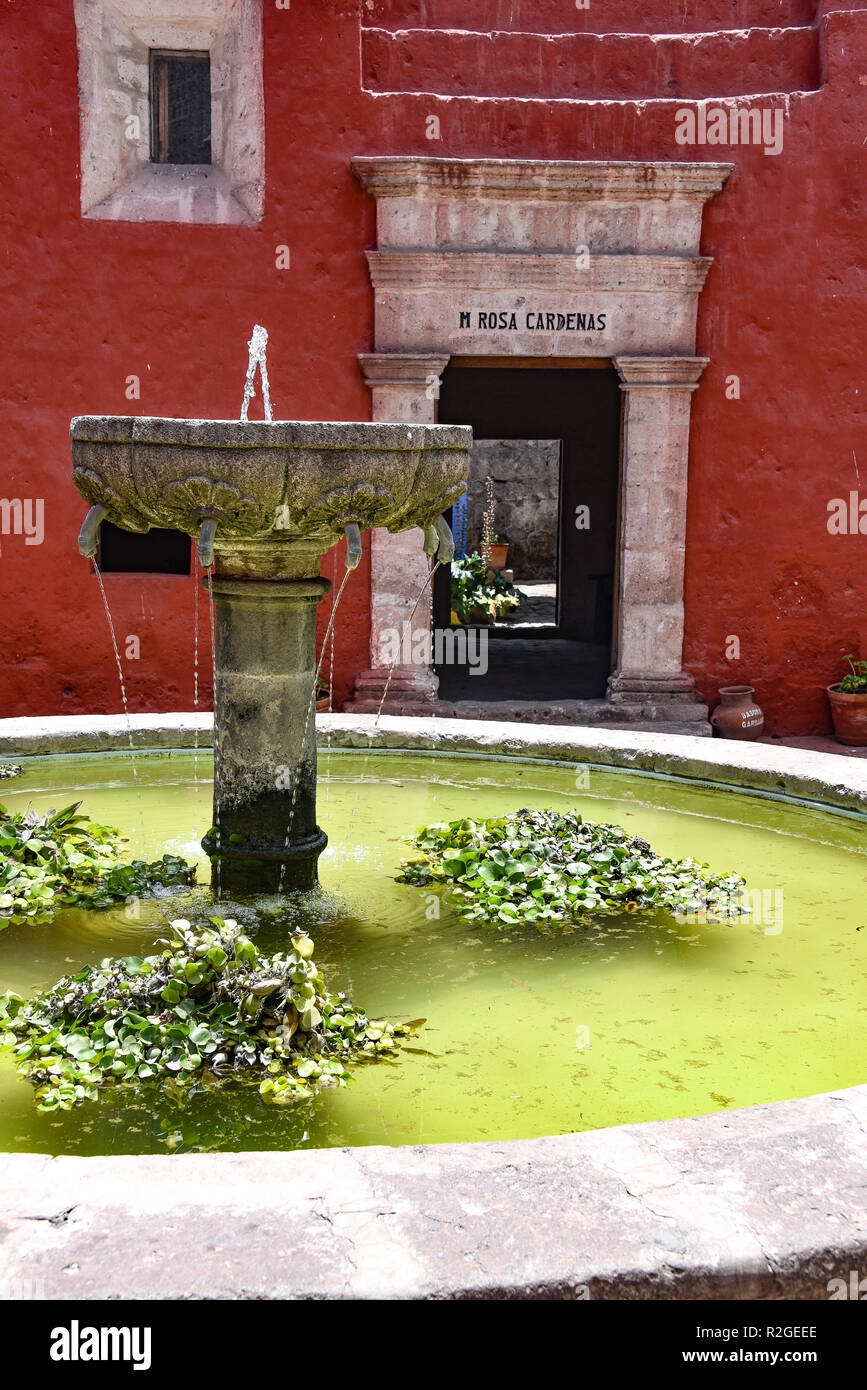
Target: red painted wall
<point x="86" y="303"/>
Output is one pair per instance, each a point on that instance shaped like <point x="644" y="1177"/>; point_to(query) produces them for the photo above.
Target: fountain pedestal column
<point x="265" y="837"/>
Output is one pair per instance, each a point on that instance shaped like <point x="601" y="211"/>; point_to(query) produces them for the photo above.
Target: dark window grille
<point x="150" y="552"/>
<point x="180" y="86"/>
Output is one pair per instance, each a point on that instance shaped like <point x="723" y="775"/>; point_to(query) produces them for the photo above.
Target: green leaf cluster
<point x="207" y="1008"/>
<point x="475" y="590"/>
<point x="855" y="680"/>
<point x="556" y="870"/>
<point x="62" y="858"/>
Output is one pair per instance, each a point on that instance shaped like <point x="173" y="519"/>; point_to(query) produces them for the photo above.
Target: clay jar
<point x="737" y="715"/>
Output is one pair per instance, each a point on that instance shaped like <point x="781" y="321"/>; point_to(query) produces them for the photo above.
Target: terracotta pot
<point x="498" y="555"/>
<point x="737" y="715"/>
<point x="322" y="705"/>
<point x="849" y="713"/>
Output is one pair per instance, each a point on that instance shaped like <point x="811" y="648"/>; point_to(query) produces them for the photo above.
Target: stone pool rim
<point x="762" y="1202"/>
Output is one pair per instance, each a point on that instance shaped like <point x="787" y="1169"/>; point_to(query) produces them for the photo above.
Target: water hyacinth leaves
<point x="62" y="859"/>
<point x="554" y="870"/>
<point x="208" y="1007"/>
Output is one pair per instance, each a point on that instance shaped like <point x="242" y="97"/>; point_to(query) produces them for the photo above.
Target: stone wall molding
<point x="552" y="179"/>
<point x="651" y="372"/>
<point x="401" y="368"/>
<point x="429" y="270"/>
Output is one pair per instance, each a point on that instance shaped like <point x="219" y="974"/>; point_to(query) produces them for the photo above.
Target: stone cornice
<point x="438" y="270"/>
<point x="520" y="180"/>
<point x="401" y="368"/>
<point x="648" y="373"/>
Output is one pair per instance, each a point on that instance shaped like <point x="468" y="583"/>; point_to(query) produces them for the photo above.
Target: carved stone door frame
<point x="548" y="259"/>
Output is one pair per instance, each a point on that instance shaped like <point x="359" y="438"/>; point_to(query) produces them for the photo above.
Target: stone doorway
<point x="561" y="261"/>
<point x="552" y="435"/>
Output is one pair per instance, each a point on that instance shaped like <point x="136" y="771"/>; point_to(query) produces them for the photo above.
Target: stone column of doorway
<point x="648" y="638"/>
<point x="405" y="387"/>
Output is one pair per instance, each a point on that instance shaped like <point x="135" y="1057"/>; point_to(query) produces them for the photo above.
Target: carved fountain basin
<point x="288" y="480"/>
<point x="266" y="499"/>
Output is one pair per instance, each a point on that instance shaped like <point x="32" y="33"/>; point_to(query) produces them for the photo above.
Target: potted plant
<point x="323" y="697"/>
<point x="478" y="595"/>
<point x="848" y="699"/>
<point x="494" y="548"/>
<point x="498" y="551"/>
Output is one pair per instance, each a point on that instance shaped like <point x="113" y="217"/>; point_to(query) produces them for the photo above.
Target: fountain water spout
<point x="439" y="541"/>
<point x="88" y="536"/>
<point x="446" y="541"/>
<point x="207" y="531"/>
<point x="353" y="545"/>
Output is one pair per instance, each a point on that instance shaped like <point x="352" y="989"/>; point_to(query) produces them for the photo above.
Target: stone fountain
<point x="265" y="500"/>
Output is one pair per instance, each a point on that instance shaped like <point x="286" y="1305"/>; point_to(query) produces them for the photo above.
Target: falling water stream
<point x="427" y="585"/>
<point x="311" y="710"/>
<point x="195" y="659"/>
<point x="327" y="778"/>
<point x="213" y="623"/>
<point x="119" y="665"/>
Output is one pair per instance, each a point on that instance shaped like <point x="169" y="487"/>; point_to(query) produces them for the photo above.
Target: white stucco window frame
<point x="118" y="180"/>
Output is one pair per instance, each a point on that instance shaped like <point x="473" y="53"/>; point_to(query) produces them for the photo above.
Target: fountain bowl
<point x="286" y="480"/>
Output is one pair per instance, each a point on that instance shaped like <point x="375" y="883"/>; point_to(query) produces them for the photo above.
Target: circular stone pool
<point x="638" y="1018"/>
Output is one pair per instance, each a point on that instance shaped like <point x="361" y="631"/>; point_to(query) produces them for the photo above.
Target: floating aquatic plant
<point x="554" y="870"/>
<point x="208" y="1007"/>
<point x="62" y="859"/>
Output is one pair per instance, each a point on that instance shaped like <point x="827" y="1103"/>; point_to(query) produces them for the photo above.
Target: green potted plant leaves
<point x="477" y="594"/>
<point x="848" y="697"/>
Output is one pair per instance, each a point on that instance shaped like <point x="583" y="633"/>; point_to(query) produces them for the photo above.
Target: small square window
<point x="180" y="97"/>
<point x="147" y="552"/>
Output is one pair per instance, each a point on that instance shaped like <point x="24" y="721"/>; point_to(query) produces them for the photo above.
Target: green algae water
<point x="638" y="1018"/>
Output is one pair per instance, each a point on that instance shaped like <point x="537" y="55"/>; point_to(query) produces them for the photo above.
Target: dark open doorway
<point x="563" y="422"/>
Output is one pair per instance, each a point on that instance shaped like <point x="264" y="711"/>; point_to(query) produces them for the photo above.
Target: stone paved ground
<point x="816" y="743"/>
